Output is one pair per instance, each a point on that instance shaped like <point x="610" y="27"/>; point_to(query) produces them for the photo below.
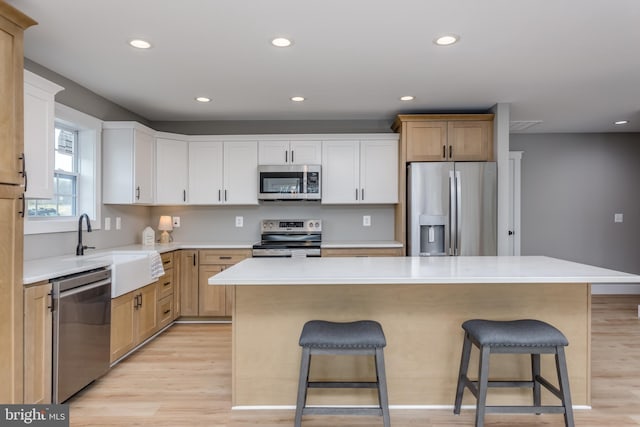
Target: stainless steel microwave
<point x="289" y="182"/>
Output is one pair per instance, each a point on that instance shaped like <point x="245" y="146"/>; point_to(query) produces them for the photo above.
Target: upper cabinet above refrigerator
<point x="436" y="138"/>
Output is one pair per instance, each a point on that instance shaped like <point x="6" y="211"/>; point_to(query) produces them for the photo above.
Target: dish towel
<point x="155" y="263"/>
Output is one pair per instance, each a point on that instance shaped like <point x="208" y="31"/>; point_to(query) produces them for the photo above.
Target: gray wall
<point x="253" y="127"/>
<point x="572" y="184"/>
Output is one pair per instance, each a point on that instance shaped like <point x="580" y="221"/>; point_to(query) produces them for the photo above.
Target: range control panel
<point x="291" y="226"/>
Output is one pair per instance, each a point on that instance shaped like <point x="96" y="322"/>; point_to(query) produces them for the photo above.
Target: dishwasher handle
<point x="84" y="288"/>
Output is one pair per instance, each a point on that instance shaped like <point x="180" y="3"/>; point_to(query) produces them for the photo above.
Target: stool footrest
<point x="525" y="409"/>
<point x="342" y="384"/>
<point x="339" y="410"/>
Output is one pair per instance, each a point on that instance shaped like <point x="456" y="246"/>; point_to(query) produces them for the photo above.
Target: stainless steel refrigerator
<point x="451" y="208"/>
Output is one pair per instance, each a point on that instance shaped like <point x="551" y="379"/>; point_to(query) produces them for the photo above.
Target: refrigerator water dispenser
<point x="432" y="235"/>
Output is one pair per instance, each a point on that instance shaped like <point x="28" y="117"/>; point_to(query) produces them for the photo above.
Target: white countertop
<point x="414" y="270"/>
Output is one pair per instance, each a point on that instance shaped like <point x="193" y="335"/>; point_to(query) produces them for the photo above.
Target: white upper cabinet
<point x="223" y="172"/>
<point x="289" y="152"/>
<point x="39" y="135"/>
<point x="172" y="161"/>
<point x="127" y="163"/>
<point x="360" y="171"/>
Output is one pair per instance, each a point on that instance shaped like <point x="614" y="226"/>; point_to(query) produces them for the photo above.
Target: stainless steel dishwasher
<point x="81" y="331"/>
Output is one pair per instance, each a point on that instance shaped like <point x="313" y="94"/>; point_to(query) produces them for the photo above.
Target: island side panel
<point x="424" y="338"/>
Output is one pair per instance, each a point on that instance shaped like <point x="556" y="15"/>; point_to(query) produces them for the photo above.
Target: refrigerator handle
<point x="458" y="213"/>
<point x="452" y="213"/>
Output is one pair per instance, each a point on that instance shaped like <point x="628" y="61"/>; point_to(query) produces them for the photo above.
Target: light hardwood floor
<point x="183" y="378"/>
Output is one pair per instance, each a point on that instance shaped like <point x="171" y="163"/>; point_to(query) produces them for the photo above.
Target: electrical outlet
<point x="176" y="221"/>
<point x="366" y="220"/>
<point x="118" y="223"/>
<point x="617" y="217"/>
<point x="239" y="221"/>
<point x="107" y="224"/>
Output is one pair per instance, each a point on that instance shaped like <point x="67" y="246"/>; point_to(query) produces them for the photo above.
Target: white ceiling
<point x="573" y="64"/>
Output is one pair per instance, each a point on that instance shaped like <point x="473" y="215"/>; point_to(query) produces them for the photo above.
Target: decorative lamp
<point x="165" y="225"/>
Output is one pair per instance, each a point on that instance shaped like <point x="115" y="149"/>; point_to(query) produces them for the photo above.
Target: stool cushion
<point x="360" y="334"/>
<point x="526" y="332"/>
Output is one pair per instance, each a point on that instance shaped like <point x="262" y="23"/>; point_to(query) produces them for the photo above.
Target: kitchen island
<point x="421" y="303"/>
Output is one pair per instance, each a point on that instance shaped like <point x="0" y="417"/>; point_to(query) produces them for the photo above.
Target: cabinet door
<point x="205" y="172"/>
<point x="188" y="283"/>
<point x="11" y="293"/>
<point x="212" y="299"/>
<point x="427" y="141"/>
<point x="142" y="167"/>
<point x="123" y="325"/>
<point x="340" y="172"/>
<point x="273" y="153"/>
<point x="241" y="172"/>
<point x="172" y="160"/>
<point x="147" y="311"/>
<point x="37" y="344"/>
<point x="378" y="172"/>
<point x="39" y="134"/>
<point x="470" y="140"/>
<point x="306" y="152"/>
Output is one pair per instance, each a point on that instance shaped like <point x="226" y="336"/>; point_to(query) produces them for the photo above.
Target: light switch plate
<point x="176" y="221"/>
<point x="366" y="220"/>
<point x="118" y="223"/>
<point x="618" y="217"/>
<point x="107" y="224"/>
<point x="239" y="221"/>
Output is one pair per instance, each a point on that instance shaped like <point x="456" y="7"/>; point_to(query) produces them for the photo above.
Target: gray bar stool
<point x="352" y="338"/>
<point x="518" y="336"/>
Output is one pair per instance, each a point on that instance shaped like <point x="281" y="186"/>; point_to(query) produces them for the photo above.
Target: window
<point x="76" y="177"/>
<point x="65" y="179"/>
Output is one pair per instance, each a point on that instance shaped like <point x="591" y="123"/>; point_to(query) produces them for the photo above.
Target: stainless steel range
<point x="289" y="238"/>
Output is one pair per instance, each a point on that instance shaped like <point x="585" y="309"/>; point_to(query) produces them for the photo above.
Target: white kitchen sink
<point x="130" y="270"/>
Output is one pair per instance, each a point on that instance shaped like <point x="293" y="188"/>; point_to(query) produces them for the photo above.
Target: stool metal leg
<point x="535" y="373"/>
<point x="383" y="398"/>
<point x="464" y="367"/>
<point x="302" y="385"/>
<point x="563" y="380"/>
<point x="483" y="384"/>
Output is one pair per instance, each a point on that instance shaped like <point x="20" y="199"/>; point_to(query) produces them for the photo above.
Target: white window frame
<point x="89" y="175"/>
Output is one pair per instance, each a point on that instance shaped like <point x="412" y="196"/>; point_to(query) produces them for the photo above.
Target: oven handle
<point x="84" y="288"/>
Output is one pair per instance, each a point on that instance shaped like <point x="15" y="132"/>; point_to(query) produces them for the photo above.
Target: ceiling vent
<point x="520" y="125"/>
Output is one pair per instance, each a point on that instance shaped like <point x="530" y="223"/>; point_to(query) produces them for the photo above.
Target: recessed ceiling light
<point x="407" y="98"/>
<point x="447" y="39"/>
<point x="297" y="98"/>
<point x="281" y="42"/>
<point x="203" y="99"/>
<point x="140" y="44"/>
<point x="621" y="122"/>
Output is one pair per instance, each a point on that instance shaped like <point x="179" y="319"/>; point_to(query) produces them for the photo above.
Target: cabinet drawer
<point x="361" y="252"/>
<point x="165" y="284"/>
<point x="223" y="256"/>
<point x="167" y="260"/>
<point x="165" y="311"/>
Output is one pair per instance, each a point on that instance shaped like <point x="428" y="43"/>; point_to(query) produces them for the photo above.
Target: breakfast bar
<point x="421" y="303"/>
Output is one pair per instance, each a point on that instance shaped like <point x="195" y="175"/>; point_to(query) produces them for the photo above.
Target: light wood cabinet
<point x="37" y="343"/>
<point x="12" y="26"/>
<point x="361" y="252"/>
<point x="134" y="318"/>
<point x="198" y="298"/>
<point x="188" y="282"/>
<point x="285" y="152"/>
<point x="172" y="159"/>
<point x="429" y="138"/>
<point x="167" y="287"/>
<point x="360" y="171"/>
<point x="127" y="163"/>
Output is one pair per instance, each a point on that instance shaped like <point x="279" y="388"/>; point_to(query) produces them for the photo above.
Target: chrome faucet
<point x="80" y="248"/>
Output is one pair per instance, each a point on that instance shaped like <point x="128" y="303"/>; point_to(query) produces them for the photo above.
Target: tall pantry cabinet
<point x="12" y="177"/>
